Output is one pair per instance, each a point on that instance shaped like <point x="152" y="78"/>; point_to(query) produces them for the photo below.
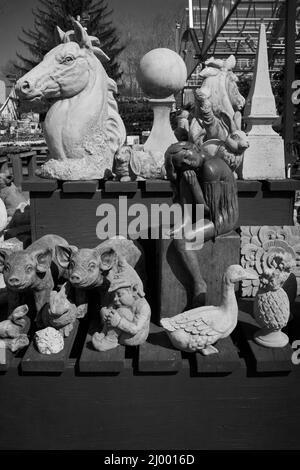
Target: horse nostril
<point x="25" y="87"/>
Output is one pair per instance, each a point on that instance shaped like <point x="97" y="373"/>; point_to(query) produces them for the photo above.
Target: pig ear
<point x="63" y="254"/>
<point x="3" y="256"/>
<point x="108" y="257"/>
<point x="81" y="36"/>
<point x="43" y="259"/>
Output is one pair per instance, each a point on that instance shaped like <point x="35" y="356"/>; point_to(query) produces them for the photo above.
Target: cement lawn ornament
<point x="272" y="305"/>
<point x="88" y="268"/>
<point x="12" y="197"/>
<point x="126" y="313"/>
<point x="197" y="330"/>
<point x="219" y="100"/>
<point x="203" y="178"/>
<point x="223" y="137"/>
<point x="62" y="312"/>
<point x="13" y="331"/>
<point x="132" y="164"/>
<point x="83" y="129"/>
<point x="49" y="341"/>
<point x="31" y="270"/>
<point x="3" y="218"/>
<point x="161" y="74"/>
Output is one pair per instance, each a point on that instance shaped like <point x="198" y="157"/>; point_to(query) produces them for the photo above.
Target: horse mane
<point x="216" y="75"/>
<point x="115" y="129"/>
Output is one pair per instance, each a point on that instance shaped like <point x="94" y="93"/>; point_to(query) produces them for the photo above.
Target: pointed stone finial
<point x="264" y="159"/>
<point x="261" y="101"/>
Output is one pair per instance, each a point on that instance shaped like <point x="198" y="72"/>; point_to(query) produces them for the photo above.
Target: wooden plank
<point x="157" y="186"/>
<point x="97" y="362"/>
<point x="39" y="185"/>
<point x="212" y="259"/>
<point x="6" y="356"/>
<point x="120" y="187"/>
<point x="248" y="186"/>
<point x="80" y="186"/>
<point x="282" y="185"/>
<point x="32" y="166"/>
<point x="290" y="28"/>
<point x="266" y="360"/>
<point x="17" y="170"/>
<point x="266" y="208"/>
<point x="225" y="362"/>
<point x="35" y="362"/>
<point x="158" y="354"/>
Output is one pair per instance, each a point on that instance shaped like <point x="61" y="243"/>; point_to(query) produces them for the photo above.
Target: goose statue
<point x="200" y="328"/>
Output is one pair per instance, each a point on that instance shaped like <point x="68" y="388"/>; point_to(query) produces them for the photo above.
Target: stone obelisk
<point x="264" y="159"/>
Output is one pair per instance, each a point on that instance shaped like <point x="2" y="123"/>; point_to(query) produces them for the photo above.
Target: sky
<point x="17" y="14"/>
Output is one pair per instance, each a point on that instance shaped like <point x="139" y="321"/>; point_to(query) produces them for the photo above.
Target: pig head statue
<point x="32" y="270"/>
<point x="94" y="268"/>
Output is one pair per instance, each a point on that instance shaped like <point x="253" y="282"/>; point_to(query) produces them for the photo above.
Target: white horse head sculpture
<point x="221" y="84"/>
<point x="83" y="129"/>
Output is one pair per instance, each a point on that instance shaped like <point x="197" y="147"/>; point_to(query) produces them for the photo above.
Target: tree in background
<point x="94" y="15"/>
<point x="139" y="38"/>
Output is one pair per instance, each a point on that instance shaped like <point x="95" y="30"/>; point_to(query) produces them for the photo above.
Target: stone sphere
<point x="161" y="73"/>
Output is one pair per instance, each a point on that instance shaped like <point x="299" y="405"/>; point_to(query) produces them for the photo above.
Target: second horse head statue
<point x="83" y="128"/>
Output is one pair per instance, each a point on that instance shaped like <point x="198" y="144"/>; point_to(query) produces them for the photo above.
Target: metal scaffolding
<point x="225" y="27"/>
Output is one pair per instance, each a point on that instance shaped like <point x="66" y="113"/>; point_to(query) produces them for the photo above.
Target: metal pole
<point x="288" y="115"/>
<point x="191" y="17"/>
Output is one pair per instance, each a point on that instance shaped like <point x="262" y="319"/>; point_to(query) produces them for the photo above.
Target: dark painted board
<point x="158" y="186"/>
<point x="158" y="354"/>
<point x="174" y="411"/>
<point x="95" y="362"/>
<point x="35" y="362"/>
<point x="173" y="282"/>
<point x="225" y="362"/>
<point x="73" y="215"/>
<point x="282" y="185"/>
<point x="266" y="208"/>
<point x="39" y="185"/>
<point x="80" y="186"/>
<point x="120" y="187"/>
<point x="266" y="360"/>
<point x="6" y="357"/>
<point x="249" y="186"/>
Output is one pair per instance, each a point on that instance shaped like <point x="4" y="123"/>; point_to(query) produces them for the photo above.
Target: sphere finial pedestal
<point x="162" y="135"/>
<point x="161" y="74"/>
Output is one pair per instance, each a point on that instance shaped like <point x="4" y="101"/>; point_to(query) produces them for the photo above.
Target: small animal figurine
<point x="126" y="316"/>
<point x="132" y="164"/>
<point x="13" y="331"/>
<point x="272" y="304"/>
<point x="231" y="151"/>
<point x="197" y="330"/>
<point x="10" y="194"/>
<point x="62" y="312"/>
<point x="49" y="341"/>
<point x="88" y="268"/>
<point x="33" y="270"/>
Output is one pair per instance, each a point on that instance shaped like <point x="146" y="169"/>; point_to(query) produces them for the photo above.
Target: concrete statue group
<point x="86" y="140"/>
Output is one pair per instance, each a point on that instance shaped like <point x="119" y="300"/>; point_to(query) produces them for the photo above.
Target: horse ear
<point x="230" y="62"/>
<point x="97" y="49"/>
<point x="59" y="35"/>
<point x="81" y="36"/>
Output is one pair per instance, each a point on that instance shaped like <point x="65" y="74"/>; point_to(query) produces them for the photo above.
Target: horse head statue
<point x="221" y="83"/>
<point x="83" y="129"/>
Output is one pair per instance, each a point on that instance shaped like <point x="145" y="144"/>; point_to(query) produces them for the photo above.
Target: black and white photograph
<point x="149" y="228"/>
